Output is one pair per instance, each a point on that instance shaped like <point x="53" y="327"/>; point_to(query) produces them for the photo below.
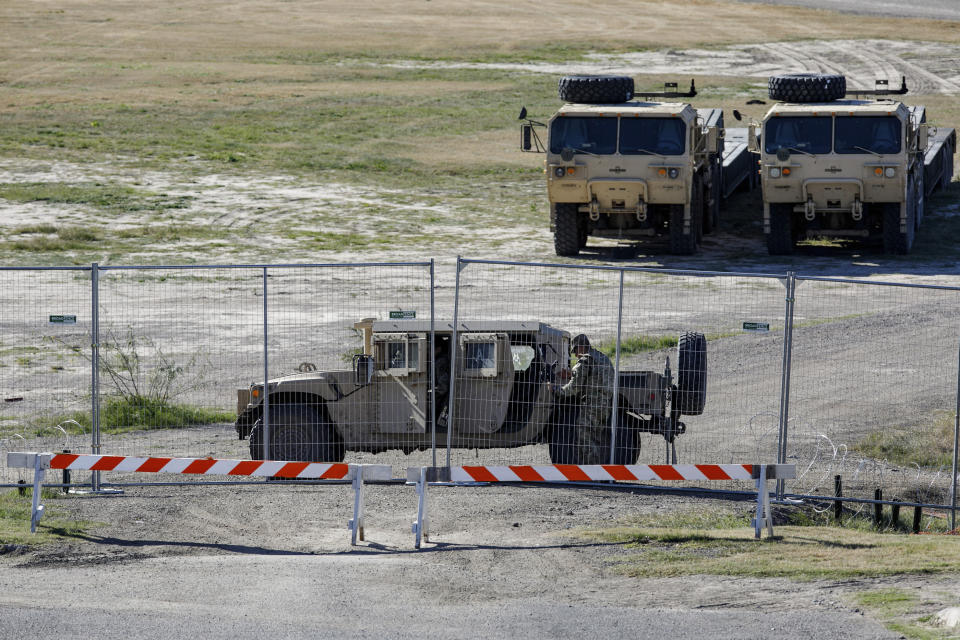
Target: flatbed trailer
<point x="739" y="167"/>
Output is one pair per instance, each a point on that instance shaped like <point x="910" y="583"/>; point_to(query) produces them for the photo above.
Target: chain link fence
<point x="841" y="377"/>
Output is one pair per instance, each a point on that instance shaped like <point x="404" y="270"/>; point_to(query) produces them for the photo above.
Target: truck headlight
<point x="559" y="172"/>
<point x="889" y="172"/>
<point x="774" y="172"/>
<point x="673" y="172"/>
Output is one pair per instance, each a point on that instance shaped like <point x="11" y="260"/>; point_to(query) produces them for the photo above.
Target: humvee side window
<point x="861" y="134"/>
<point x="804" y="134"/>
<point x="399" y="353"/>
<point x="663" y="136"/>
<point x="522" y="356"/>
<point x="480" y="355"/>
<point x="592" y="135"/>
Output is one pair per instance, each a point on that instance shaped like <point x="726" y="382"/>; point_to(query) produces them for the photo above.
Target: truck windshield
<point x="864" y="134"/>
<point x="804" y="134"/>
<point x="590" y="135"/>
<point x="662" y="136"/>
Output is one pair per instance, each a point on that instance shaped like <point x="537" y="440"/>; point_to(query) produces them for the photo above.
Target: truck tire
<point x="894" y="241"/>
<point x="781" y="240"/>
<point x="566" y="231"/>
<point x="682" y="244"/>
<point x="691" y="373"/>
<point x="298" y="433"/>
<point x="595" y="89"/>
<point x="806" y="87"/>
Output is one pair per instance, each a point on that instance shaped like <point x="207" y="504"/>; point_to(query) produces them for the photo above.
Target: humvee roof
<point x="639" y="108"/>
<point x="841" y="107"/>
<point x="489" y="326"/>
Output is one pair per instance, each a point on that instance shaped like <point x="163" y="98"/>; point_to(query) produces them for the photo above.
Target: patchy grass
<point x="927" y="444"/>
<point x="106" y="197"/>
<point x="718" y="543"/>
<point x="121" y="415"/>
<point x="902" y="612"/>
<point x="15" y="519"/>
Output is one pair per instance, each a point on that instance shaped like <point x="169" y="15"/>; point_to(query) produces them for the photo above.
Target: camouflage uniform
<point x="592" y="384"/>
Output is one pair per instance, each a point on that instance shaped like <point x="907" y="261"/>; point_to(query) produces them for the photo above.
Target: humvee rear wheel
<point x="595" y="89"/>
<point x="298" y="433"/>
<point x="781" y="240"/>
<point x="684" y="244"/>
<point x="895" y="241"/>
<point x="807" y="87"/>
<point x="626" y="449"/>
<point x="691" y="373"/>
<point x="566" y="231"/>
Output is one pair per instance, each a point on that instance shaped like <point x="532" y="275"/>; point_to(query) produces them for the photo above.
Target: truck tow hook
<point x="594" y="210"/>
<point x="857" y="210"/>
<point x="642" y="211"/>
<point x="809" y="210"/>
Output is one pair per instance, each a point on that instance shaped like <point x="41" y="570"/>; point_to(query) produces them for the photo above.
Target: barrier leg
<point x="421" y="527"/>
<point x="37" y="512"/>
<point x="763" y="518"/>
<point x="356" y="524"/>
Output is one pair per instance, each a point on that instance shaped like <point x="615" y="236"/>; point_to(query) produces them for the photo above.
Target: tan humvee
<point x="502" y="390"/>
<point x="838" y="167"/>
<point x="623" y="168"/>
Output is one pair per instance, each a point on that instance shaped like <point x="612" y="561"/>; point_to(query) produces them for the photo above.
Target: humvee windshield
<point x="806" y="134"/>
<point x="662" y="136"/>
<point x="593" y="135"/>
<point x="879" y="134"/>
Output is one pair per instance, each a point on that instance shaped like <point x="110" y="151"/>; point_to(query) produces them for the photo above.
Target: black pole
<point x="66" y="476"/>
<point x="878" y="508"/>
<point x="895" y="515"/>
<point x="838" y="492"/>
<point x="917" y="512"/>
<point x="22" y="490"/>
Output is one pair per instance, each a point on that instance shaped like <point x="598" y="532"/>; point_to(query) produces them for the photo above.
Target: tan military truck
<point x="846" y="167"/>
<point x="623" y="168"/>
<point x="501" y="388"/>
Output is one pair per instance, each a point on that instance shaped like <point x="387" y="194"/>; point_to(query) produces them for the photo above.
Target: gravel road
<point x="275" y="561"/>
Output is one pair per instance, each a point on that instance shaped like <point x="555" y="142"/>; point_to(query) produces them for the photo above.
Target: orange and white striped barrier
<point x="760" y="473"/>
<point x="358" y="473"/>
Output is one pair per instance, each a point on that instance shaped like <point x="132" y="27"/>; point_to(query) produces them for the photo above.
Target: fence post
<point x="454" y="347"/>
<point x="616" y="379"/>
<point x="95" y="369"/>
<point x="433" y="367"/>
<point x="956" y="442"/>
<point x="266" y="376"/>
<point x="791" y="285"/>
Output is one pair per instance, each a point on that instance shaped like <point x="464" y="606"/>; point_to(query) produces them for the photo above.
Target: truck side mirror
<point x="753" y="142"/>
<point x="526" y="137"/>
<point x="363" y="368"/>
<point x="923" y="136"/>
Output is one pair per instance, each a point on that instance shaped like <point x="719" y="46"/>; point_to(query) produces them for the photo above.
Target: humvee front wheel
<point x="298" y="433"/>
<point x="566" y="231"/>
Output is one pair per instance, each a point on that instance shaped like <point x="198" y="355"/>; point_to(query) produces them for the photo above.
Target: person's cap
<point x="580" y="341"/>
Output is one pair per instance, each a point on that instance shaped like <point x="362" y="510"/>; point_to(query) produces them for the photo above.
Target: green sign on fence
<point x="403" y="315"/>
<point x="63" y="319"/>
<point x="756" y="326"/>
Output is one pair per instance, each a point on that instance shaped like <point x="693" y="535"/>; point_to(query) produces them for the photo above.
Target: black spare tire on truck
<point x="691" y="373"/>
<point x="807" y="87"/>
<point x="595" y="89"/>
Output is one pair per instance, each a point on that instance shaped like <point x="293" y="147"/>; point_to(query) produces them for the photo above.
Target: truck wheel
<point x="682" y="244"/>
<point x="583" y="231"/>
<point x="566" y="234"/>
<point x="298" y="433"/>
<point x="781" y="240"/>
<point x="806" y="87"/>
<point x="894" y="241"/>
<point x="595" y="89"/>
<point x="691" y="373"/>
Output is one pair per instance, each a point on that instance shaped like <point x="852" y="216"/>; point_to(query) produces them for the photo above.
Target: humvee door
<point x="401" y="382"/>
<point x="484" y="381"/>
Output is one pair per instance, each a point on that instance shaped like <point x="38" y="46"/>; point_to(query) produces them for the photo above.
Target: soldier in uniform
<point x="591" y="382"/>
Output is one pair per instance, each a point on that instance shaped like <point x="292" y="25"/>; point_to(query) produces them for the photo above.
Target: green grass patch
<point x="15" y="519"/>
<point x="927" y="444"/>
<point x="901" y="612"/>
<point x="715" y="543"/>
<point x="124" y="414"/>
<point x="107" y="197"/>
